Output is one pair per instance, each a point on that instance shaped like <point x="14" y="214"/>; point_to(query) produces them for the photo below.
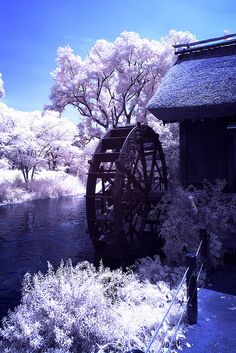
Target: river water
<point x="33" y="233"/>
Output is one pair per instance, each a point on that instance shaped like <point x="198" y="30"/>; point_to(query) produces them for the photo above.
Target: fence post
<point x="204" y="251"/>
<point x="191" y="279"/>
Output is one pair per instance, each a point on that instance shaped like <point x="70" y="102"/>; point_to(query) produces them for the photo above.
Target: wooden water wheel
<point x="126" y="179"/>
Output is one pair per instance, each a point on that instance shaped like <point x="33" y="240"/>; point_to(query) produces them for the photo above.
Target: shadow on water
<point x="33" y="233"/>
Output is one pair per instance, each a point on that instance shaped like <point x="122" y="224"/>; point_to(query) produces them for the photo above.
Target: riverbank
<point x="45" y="185"/>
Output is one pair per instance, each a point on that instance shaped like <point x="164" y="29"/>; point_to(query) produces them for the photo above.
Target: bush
<point x="47" y="184"/>
<point x="51" y="184"/>
<point x="12" y="187"/>
<point x="184" y="212"/>
<point x="81" y="309"/>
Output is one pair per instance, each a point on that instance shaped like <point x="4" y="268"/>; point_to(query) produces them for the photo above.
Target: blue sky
<point x="32" y="30"/>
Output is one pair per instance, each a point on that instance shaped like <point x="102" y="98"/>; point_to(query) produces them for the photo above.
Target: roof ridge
<point x="205" y="44"/>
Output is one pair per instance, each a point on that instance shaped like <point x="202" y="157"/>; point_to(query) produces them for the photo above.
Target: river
<point x="33" y="233"/>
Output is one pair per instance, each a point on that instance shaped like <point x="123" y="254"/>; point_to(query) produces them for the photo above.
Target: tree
<point x="8" y="119"/>
<point x="20" y="143"/>
<point x="61" y="135"/>
<point x="2" y="92"/>
<point x="31" y="141"/>
<point x="113" y="84"/>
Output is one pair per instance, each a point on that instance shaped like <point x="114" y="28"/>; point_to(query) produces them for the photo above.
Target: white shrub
<point x="12" y="187"/>
<point x="51" y="184"/>
<point x="184" y="212"/>
<point x="47" y="184"/>
<point x="81" y="309"/>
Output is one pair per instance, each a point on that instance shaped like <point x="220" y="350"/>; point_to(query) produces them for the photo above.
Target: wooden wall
<point x="207" y="151"/>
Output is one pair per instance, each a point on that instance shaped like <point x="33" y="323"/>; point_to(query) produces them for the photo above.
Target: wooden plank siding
<point x="207" y="151"/>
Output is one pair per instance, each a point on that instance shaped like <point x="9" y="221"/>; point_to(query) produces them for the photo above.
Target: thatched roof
<point x="201" y="84"/>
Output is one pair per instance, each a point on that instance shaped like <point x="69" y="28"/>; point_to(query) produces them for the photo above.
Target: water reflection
<point x="33" y="233"/>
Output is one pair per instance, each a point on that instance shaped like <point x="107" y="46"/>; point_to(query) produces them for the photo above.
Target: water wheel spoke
<point x="153" y="163"/>
<point x="131" y="178"/>
<point x="139" y="173"/>
<point x="144" y="166"/>
<point x="138" y="207"/>
<point x="136" y="163"/>
<point x="137" y="223"/>
<point x="159" y="170"/>
<point x="110" y="181"/>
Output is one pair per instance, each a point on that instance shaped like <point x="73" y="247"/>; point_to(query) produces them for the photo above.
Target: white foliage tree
<point x="60" y="135"/>
<point x="113" y="84"/>
<point x="33" y="140"/>
<point x="2" y="92"/>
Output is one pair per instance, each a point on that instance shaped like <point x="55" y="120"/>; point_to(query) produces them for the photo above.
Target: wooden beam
<point x="106" y="157"/>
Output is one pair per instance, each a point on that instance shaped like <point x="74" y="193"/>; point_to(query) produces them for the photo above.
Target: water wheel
<point x="126" y="179"/>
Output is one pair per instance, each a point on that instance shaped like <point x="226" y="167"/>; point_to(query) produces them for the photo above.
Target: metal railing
<point x="196" y="265"/>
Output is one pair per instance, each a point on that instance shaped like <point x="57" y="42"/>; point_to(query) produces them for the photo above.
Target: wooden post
<point x="191" y="279"/>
